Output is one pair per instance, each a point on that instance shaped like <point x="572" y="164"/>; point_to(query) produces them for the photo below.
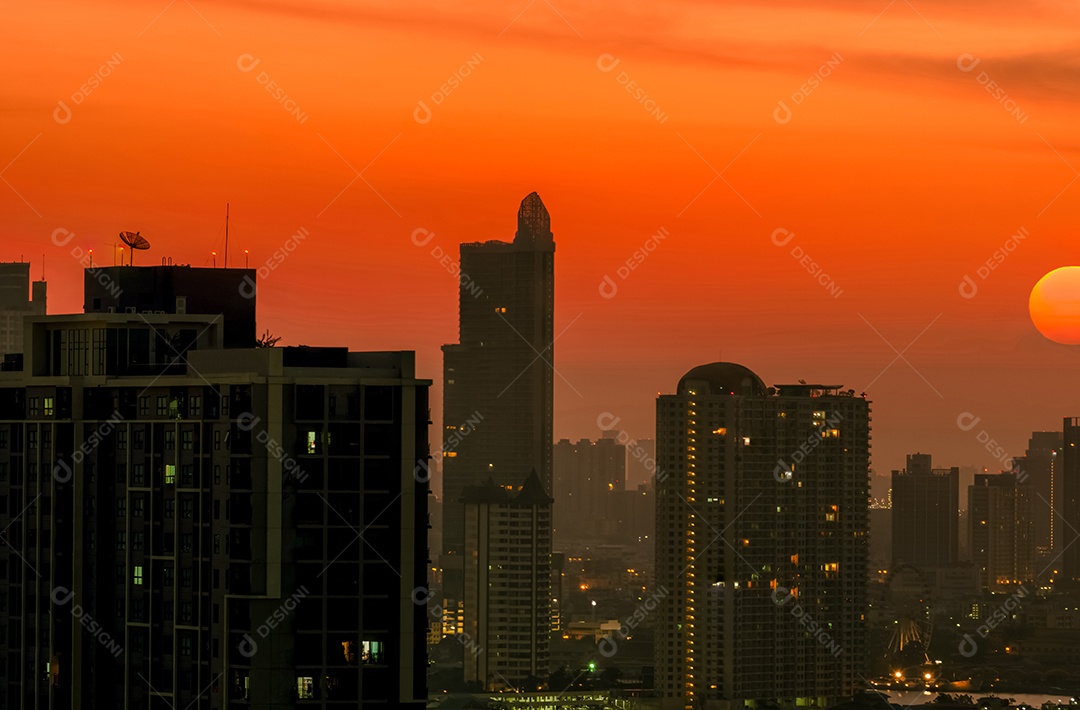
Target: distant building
<point x="1070" y="501"/>
<point x="1001" y="512"/>
<point x="589" y="478"/>
<point x="925" y="514"/>
<point x="197" y="526"/>
<point x="1041" y="466"/>
<point x="507" y="596"/>
<point x="498" y="388"/>
<point x="761" y="540"/>
<point x="641" y="465"/>
<point x="16" y="302"/>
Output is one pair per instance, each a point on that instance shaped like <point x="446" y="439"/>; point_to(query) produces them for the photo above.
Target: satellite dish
<point x="135" y="241"/>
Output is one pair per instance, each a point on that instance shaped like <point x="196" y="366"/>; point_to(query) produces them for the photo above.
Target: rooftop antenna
<point x="135" y="241"/>
<point x="226" y="235"/>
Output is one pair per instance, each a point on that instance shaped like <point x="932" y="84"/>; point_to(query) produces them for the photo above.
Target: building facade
<point x="761" y="538"/>
<point x="209" y="527"/>
<point x="590" y="480"/>
<point x="499" y="377"/>
<point x="508" y="585"/>
<point x="18" y="299"/>
<point x="925" y="514"/>
<point x="1001" y="513"/>
<point x="1041" y="466"/>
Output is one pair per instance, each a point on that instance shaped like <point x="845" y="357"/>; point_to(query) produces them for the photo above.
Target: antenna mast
<point x="226" y="235"/>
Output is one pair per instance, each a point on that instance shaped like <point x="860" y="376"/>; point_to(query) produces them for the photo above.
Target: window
<point x="195" y="407"/>
<point x="47" y="406"/>
<point x="185" y="577"/>
<point x="311" y="435"/>
<point x="186" y="542"/>
<point x="187" y="475"/>
<point x="170" y="474"/>
<point x="31" y="438"/>
<point x="174" y="408"/>
<point x="138" y="474"/>
<point x="185" y="644"/>
<point x="137" y="575"/>
<point x="217" y="441"/>
<point x="187" y="438"/>
<point x="137" y="541"/>
<point x="33" y="406"/>
<point x="121" y="507"/>
<point x="187" y="506"/>
<point x="170" y="508"/>
<point x="305" y="687"/>
<point x="137" y="442"/>
<point x="170" y="440"/>
<point x="121" y="439"/>
<point x="46" y="439"/>
<point x="137" y="504"/>
<point x="162" y="406"/>
<point x="373" y="651"/>
<point x="144" y="406"/>
<point x="185" y="612"/>
<point x="121" y="540"/>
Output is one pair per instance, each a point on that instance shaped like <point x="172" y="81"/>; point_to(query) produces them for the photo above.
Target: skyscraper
<point x="1040" y="466"/>
<point x="1000" y="512"/>
<point x="202" y="527"/>
<point x="1070" y="501"/>
<point x="761" y="538"/>
<point x="16" y="302"/>
<point x="589" y="479"/>
<point x="925" y="514"/>
<point x="507" y="584"/>
<point x="499" y="376"/>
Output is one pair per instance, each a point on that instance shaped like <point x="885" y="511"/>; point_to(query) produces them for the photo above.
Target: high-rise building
<point x="1040" y="466"/>
<point x="589" y="478"/>
<point x="507" y="596"/>
<point x="498" y="379"/>
<point x="1067" y="542"/>
<point x="1000" y="512"/>
<point x="192" y="526"/>
<point x="16" y="302"/>
<point x="761" y="540"/>
<point x="925" y="514"/>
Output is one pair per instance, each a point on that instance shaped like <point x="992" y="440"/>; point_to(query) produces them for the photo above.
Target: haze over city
<point x="898" y="172"/>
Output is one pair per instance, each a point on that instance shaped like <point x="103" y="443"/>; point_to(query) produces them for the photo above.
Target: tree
<point x="266" y="340"/>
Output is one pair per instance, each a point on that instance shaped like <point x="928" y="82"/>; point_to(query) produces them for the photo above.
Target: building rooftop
<point x="722" y="378"/>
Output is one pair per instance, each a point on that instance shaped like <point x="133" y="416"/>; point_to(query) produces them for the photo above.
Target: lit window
<point x="305" y="687"/>
<point x="170" y="474"/>
<point x="311" y="442"/>
<point x="137" y="577"/>
<point x="47" y="409"/>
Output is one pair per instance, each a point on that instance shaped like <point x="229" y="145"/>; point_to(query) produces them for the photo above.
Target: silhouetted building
<point x="177" y="290"/>
<point x="498" y="379"/>
<point x="1000" y="512"/>
<point x="507" y="598"/>
<point x="222" y="528"/>
<point x="925" y="514"/>
<point x="1040" y="466"/>
<point x="761" y="549"/>
<point x="589" y="478"/>
<point x="16" y="302"/>
<point x="1070" y="503"/>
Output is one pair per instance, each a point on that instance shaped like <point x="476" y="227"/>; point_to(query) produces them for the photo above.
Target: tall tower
<point x="1040" y="466"/>
<point x="1001" y="514"/>
<point x="500" y="375"/>
<point x="15" y="304"/>
<point x="761" y="540"/>
<point x="925" y="514"/>
<point x="1070" y="500"/>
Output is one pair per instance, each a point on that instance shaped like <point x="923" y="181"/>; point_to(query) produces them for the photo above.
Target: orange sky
<point x="898" y="172"/>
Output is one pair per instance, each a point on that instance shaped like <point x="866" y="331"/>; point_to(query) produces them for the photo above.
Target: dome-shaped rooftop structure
<point x="722" y="378"/>
<point x="534" y="223"/>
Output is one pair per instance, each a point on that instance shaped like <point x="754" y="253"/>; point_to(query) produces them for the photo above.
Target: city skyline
<point x="698" y="173"/>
